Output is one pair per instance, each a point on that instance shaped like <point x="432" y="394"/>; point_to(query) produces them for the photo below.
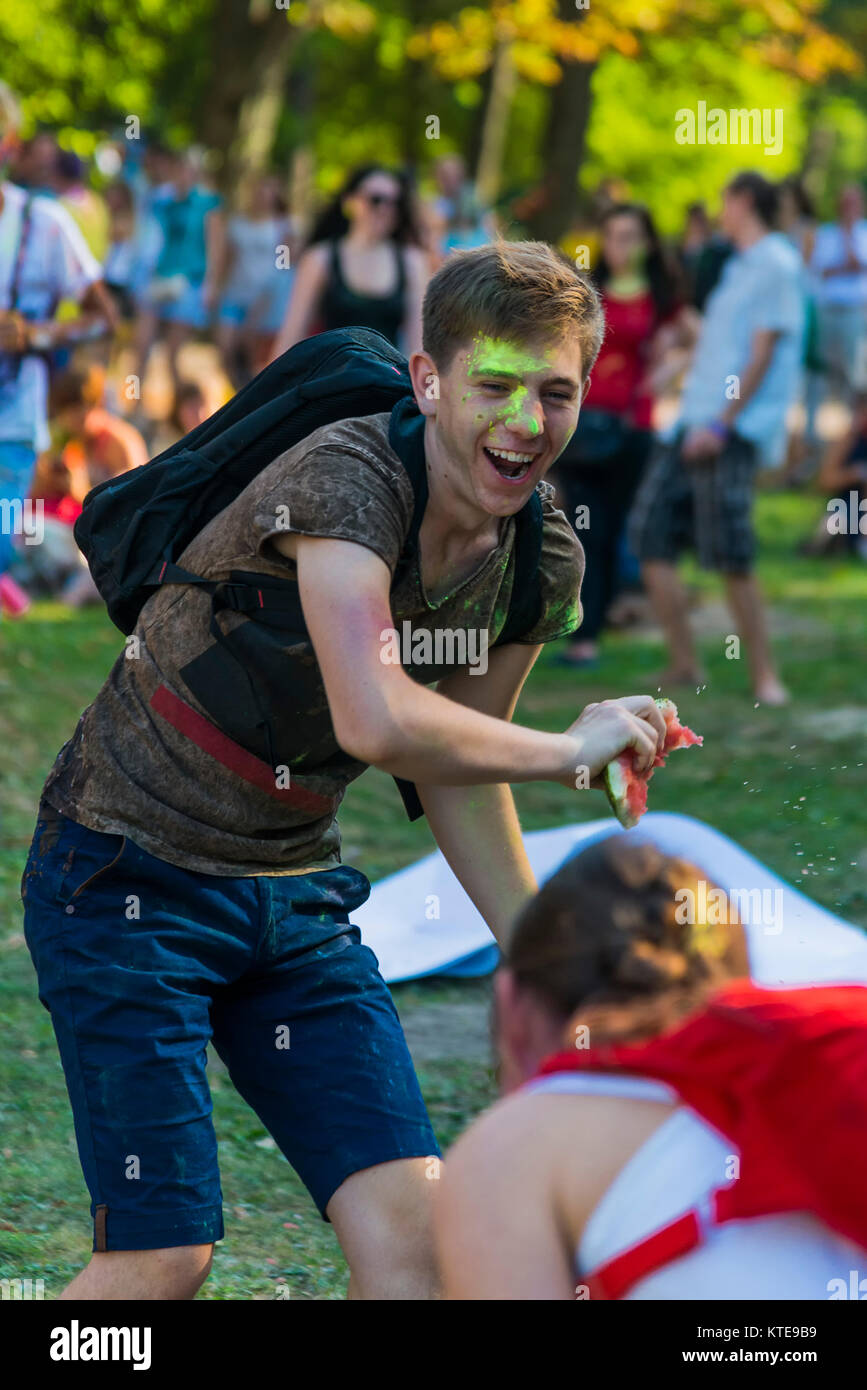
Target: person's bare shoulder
<point x="570" y="1146"/>
<point x="316" y="255"/>
<point x="415" y="260"/>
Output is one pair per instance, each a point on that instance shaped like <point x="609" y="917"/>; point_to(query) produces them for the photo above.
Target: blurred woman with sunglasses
<point x="363" y="266"/>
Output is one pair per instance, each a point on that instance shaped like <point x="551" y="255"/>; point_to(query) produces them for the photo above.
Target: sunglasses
<point x="379" y="200"/>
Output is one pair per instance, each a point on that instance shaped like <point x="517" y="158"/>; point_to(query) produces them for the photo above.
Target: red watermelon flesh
<point x="626" y="789"/>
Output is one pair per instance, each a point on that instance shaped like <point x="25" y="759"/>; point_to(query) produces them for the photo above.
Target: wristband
<point x="719" y="429"/>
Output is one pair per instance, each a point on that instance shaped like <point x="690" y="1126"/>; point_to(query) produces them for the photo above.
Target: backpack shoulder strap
<point x="406" y="437"/>
<point x="525" y="607"/>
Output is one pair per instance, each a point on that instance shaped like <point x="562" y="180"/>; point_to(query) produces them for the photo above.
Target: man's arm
<point x="383" y="717"/>
<point x="216" y="255"/>
<point x="764" y="343"/>
<point x="706" y="440"/>
<point x="98" y="316"/>
<point x="477" y="828"/>
<point x="310" y="281"/>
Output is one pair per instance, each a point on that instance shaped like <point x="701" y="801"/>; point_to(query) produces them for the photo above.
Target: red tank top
<point x="620" y="367"/>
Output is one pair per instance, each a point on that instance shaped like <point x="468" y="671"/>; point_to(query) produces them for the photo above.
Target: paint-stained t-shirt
<point x="160" y="757"/>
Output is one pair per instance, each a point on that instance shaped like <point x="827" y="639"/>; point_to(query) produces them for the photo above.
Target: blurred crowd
<point x="101" y="264"/>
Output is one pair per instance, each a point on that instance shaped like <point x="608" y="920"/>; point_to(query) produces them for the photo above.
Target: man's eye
<point x="560" y="395"/>
<point x="494" y="386"/>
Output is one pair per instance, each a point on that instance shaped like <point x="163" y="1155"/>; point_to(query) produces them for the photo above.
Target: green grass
<point x="799" y="808"/>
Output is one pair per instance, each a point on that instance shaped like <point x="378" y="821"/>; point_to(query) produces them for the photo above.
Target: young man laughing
<point x="178" y="892"/>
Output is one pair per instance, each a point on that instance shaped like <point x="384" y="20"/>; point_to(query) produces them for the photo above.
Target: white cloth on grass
<point x="399" y="924"/>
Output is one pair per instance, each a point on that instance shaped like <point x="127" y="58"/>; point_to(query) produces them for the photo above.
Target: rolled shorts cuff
<point x="322" y="1191"/>
<point x="119" y="1230"/>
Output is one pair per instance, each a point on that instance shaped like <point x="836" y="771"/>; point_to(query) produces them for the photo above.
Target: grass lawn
<point x="789" y="786"/>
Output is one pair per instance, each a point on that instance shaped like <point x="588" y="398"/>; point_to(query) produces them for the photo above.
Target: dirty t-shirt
<point x="150" y="760"/>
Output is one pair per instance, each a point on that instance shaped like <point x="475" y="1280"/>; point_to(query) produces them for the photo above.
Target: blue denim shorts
<point x="141" y="964"/>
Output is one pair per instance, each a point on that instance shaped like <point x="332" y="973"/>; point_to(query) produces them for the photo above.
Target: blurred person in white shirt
<point x="43" y="260"/>
<point x="839" y="266"/>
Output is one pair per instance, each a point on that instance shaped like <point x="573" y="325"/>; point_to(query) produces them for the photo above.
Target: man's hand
<point x="700" y="445"/>
<point x="602" y="731"/>
<point x="14" y="332"/>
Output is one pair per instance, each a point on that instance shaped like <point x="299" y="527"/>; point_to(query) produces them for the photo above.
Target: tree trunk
<point x="251" y="43"/>
<point x="473" y="145"/>
<point x="493" y="145"/>
<point x="260" y="113"/>
<point x="564" y="142"/>
<point x="302" y="98"/>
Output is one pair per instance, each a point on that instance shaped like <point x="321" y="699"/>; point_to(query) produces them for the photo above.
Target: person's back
<point x="656" y="1182"/>
<point x="655" y="1139"/>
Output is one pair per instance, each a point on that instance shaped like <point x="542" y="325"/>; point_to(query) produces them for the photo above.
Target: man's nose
<point x="527" y="418"/>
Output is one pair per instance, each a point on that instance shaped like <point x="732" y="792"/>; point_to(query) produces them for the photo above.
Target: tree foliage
<point x="360" y="79"/>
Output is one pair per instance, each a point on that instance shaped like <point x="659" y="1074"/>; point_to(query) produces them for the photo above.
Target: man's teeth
<point x="511" y="457"/>
<point x="509" y="463"/>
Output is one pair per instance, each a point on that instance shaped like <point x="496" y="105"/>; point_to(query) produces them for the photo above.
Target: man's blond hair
<point x="517" y="290"/>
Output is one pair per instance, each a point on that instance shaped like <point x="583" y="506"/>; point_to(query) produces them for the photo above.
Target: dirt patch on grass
<point x="712" y="618"/>
<point x="835" y="725"/>
<point x="440" y="1032"/>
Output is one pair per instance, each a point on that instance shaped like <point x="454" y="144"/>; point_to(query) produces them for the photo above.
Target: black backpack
<point x="133" y="528"/>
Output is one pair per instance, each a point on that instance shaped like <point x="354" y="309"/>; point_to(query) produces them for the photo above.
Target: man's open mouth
<point x="512" y="467"/>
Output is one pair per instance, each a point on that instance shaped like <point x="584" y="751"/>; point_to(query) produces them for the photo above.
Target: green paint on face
<point x="519" y="411"/>
<point x="499" y="357"/>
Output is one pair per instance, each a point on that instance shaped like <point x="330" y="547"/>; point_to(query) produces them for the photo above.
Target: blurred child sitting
<point x="55" y="565"/>
<point x="95" y="445"/>
<point x="91" y="446"/>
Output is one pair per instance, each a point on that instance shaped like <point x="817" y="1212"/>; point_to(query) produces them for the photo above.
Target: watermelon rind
<point x="616" y="778"/>
<point x="616" y="788"/>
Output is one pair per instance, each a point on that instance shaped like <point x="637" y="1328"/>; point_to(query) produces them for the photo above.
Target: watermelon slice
<point x="625" y="788"/>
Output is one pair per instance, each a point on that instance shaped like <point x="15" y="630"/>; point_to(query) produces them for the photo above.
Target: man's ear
<point x="425" y="382"/>
<point x="584" y="390"/>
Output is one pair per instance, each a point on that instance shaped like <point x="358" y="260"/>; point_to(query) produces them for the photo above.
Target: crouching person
<point x="658" y="1136"/>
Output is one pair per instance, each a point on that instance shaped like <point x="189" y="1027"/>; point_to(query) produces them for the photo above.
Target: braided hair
<point x="606" y="933"/>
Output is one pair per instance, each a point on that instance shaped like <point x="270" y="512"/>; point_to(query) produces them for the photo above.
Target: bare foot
<point x="579" y="654"/>
<point x="771" y="692"/>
